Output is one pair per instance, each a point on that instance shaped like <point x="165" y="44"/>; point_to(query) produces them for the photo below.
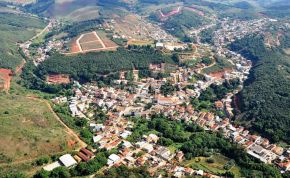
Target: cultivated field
<point x="92" y="41"/>
<point x="29" y="129"/>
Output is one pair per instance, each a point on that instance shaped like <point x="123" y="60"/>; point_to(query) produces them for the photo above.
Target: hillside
<point x="15" y="28"/>
<point x="266" y="96"/>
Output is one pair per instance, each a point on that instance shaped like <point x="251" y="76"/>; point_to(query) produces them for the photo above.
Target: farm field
<point x="92" y="41"/>
<point x="217" y="167"/>
<point x="29" y="130"/>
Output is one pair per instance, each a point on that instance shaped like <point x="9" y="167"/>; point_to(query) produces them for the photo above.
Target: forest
<point x="265" y="99"/>
<point x="91" y="66"/>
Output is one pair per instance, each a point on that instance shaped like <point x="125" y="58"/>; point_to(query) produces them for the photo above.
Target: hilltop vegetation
<point x="265" y="99"/>
<point x="179" y="24"/>
<point x="15" y="28"/>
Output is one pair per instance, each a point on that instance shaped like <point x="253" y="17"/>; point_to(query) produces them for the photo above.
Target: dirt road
<point x="68" y="130"/>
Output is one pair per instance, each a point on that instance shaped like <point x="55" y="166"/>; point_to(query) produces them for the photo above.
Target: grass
<point x="28" y="130"/>
<point x="216" y="168"/>
<point x="40" y="39"/>
<point x="220" y="65"/>
<point x="15" y="28"/>
<point x="141" y="42"/>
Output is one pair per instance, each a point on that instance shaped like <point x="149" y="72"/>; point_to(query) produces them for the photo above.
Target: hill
<point x="265" y="99"/>
<point x="15" y="28"/>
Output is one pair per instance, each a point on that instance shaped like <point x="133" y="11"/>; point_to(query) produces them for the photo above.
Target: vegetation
<point x="220" y="65"/>
<point x="178" y="24"/>
<point x="60" y="172"/>
<point x="76" y="28"/>
<point x="167" y="89"/>
<point x="124" y="172"/>
<point x="195" y="142"/>
<point x="15" y="28"/>
<point x="92" y="166"/>
<point x="206" y="36"/>
<point x="93" y="66"/>
<point x="39" y="7"/>
<point x="266" y="95"/>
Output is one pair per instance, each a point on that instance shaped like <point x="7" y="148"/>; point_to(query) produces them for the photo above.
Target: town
<point x="143" y="97"/>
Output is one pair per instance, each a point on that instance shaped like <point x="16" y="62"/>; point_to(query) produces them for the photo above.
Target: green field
<point x="217" y="167"/>
<point x="28" y="130"/>
<point x="15" y="28"/>
<point x="220" y="65"/>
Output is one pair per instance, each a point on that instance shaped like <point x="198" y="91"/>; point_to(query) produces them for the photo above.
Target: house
<point x="113" y="158"/>
<point x="219" y="104"/>
<point x="125" y="134"/>
<point x="179" y="156"/>
<point x="88" y="153"/>
<point x="199" y="173"/>
<point x="148" y="147"/>
<point x="83" y="157"/>
<point x="285" y="165"/>
<point x="164" y="153"/>
<point x="152" y="138"/>
<point x="67" y="160"/>
<point x="278" y="150"/>
<point x="126" y="144"/>
<point x="97" y="138"/>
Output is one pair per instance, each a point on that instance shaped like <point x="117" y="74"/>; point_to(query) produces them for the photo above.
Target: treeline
<point x="125" y="172"/>
<point x="39" y="7"/>
<point x="76" y="28"/>
<point x="93" y="66"/>
<point x="31" y="81"/>
<point x="265" y="99"/>
<point x="196" y="142"/>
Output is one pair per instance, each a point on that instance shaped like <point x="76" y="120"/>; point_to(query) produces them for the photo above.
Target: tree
<point x="60" y="172"/>
<point x="42" y="174"/>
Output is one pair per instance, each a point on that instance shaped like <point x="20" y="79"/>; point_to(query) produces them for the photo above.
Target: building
<point x="67" y="160"/>
<point x="113" y="158"/>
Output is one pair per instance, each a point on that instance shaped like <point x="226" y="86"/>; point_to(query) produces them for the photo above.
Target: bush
<point x="41" y="161"/>
<point x="210" y="160"/>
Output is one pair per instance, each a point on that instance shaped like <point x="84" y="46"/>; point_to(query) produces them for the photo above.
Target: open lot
<point x="217" y="167"/>
<point x="58" y="79"/>
<point x="29" y="129"/>
<point x="92" y="41"/>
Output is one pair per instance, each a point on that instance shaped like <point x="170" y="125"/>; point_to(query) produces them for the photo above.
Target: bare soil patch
<point x="58" y="79"/>
<point x="5" y="79"/>
<point x="219" y="74"/>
